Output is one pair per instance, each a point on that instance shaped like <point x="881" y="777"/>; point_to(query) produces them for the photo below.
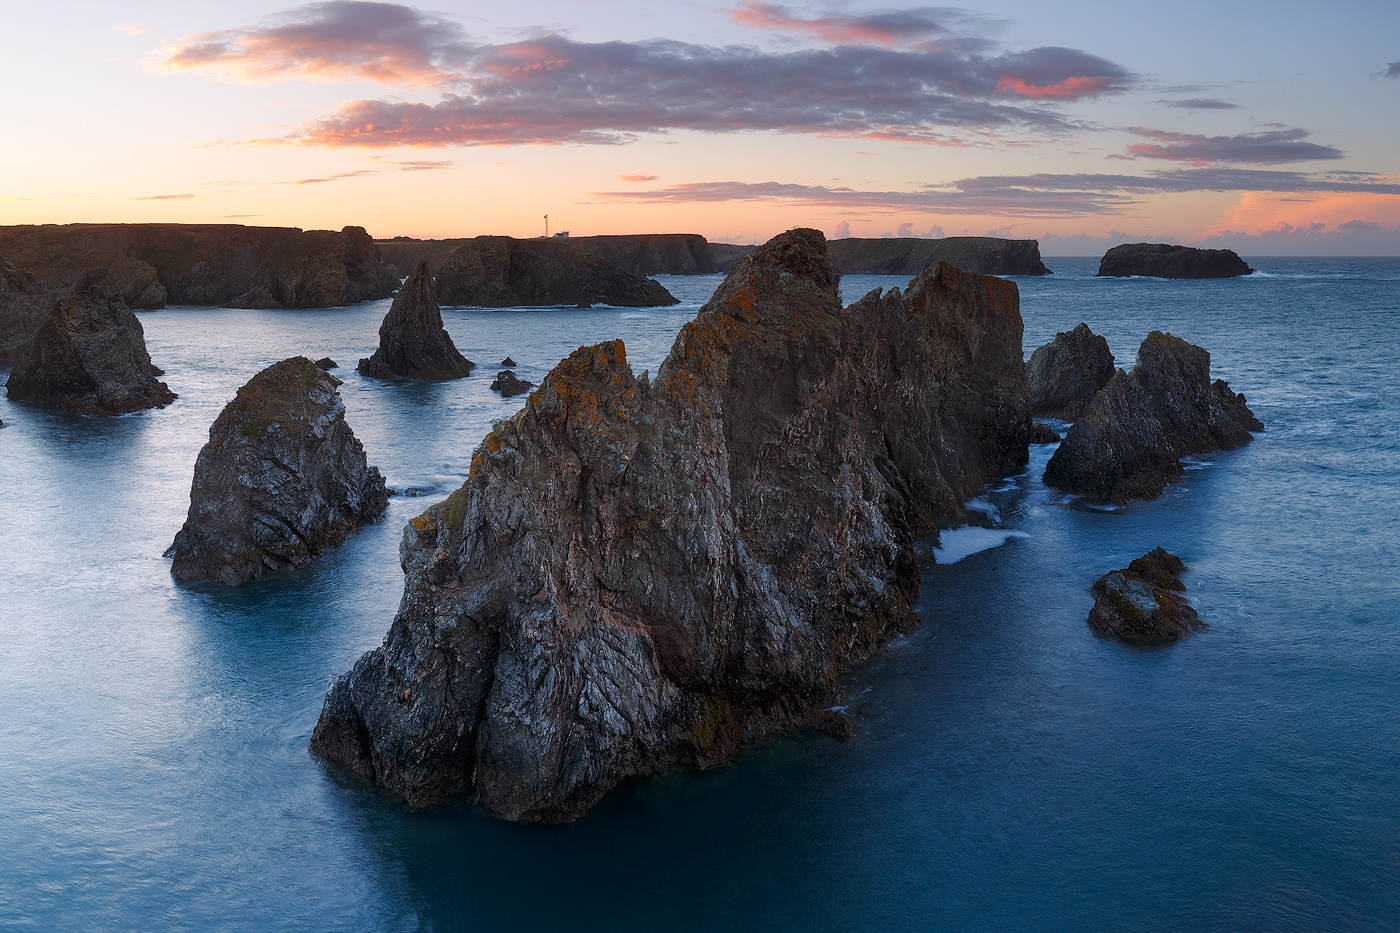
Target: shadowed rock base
<point x="647" y="574"/>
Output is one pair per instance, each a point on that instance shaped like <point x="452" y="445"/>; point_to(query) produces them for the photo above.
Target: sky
<point x="1269" y="127"/>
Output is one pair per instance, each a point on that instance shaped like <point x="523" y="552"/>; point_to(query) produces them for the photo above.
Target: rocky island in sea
<point x="648" y="573"/>
<point x="413" y="344"/>
<point x="282" y="479"/>
<point x="1167" y="261"/>
<point x="1143" y="603"/>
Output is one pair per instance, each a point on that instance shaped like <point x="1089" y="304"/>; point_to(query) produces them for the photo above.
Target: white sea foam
<point x="985" y="507"/>
<point x="957" y="543"/>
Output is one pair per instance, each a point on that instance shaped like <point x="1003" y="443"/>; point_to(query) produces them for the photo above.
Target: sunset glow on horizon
<point x="1080" y="126"/>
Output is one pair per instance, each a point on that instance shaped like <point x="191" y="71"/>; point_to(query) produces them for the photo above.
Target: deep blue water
<point x="1010" y="770"/>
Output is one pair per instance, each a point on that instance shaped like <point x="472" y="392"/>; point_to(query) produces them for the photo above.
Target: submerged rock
<point x="1165" y="261"/>
<point x="646" y="574"/>
<point x="413" y="344"/>
<point x="508" y="385"/>
<point x="24" y="302"/>
<point x="1129" y="442"/>
<point x="503" y="272"/>
<point x="282" y="479"/>
<point x="1063" y="375"/>
<point x="1142" y="605"/>
<point x="88" y="357"/>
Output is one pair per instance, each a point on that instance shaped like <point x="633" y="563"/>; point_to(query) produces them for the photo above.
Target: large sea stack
<point x="282" y="479"/>
<point x="1165" y="261"/>
<point x="1129" y="441"/>
<point x="24" y="302"/>
<point x="646" y="574"/>
<point x="413" y="344"/>
<point x="88" y="357"/>
<point x="1142" y="604"/>
<point x="503" y="272"/>
<point x="1064" y="375"/>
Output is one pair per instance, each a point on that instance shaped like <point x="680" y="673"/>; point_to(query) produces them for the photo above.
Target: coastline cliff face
<point x="89" y="357"/>
<point x="652" y="253"/>
<point x="908" y="255"/>
<point x="645" y="574"/>
<point x="1165" y="261"/>
<point x="321" y="269"/>
<point x="1129" y="441"/>
<point x="282" y="479"/>
<point x="503" y="272"/>
<point x="413" y="344"/>
<point x="24" y="302"/>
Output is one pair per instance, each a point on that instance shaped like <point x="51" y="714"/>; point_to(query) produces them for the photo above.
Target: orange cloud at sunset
<point x="1269" y="210"/>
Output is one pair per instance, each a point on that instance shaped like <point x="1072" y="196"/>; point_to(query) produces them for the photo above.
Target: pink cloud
<point x="1272" y="147"/>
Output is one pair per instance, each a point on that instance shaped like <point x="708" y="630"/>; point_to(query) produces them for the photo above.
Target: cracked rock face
<point x="1064" y="374"/>
<point x="413" y="344"/>
<point x="1129" y="441"/>
<point x="282" y="479"/>
<point x="642" y="574"/>
<point x="89" y="357"/>
<point x="1143" y="605"/>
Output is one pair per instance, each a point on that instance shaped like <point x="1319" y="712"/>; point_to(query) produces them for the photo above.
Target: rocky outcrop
<point x="1043" y="434"/>
<point x="1129" y="441"/>
<point x="24" y="303"/>
<point x="282" y="479"/>
<point x="646" y="574"/>
<point x="509" y="385"/>
<point x="321" y="269"/>
<point x="1143" y="605"/>
<point x="1165" y="261"/>
<point x="503" y="272"/>
<point x="413" y="344"/>
<point x="652" y="253"/>
<point x="88" y="357"/>
<point x="908" y="255"/>
<point x="1064" y="375"/>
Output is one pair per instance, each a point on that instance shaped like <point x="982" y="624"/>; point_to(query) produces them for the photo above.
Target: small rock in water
<point x="326" y="362"/>
<point x="416" y="491"/>
<point x="1043" y="434"/>
<point x="1142" y="605"/>
<point x="508" y="363"/>
<point x="507" y="384"/>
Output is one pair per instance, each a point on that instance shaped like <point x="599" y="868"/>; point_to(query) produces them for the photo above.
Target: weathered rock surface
<point x="908" y="255"/>
<point x="1142" y="605"/>
<point x="24" y="303"/>
<point x="321" y="269"/>
<point x="88" y="357"/>
<point x="646" y="574"/>
<point x="282" y="479"/>
<point x="508" y="384"/>
<point x="1165" y="261"/>
<point x="1129" y="442"/>
<point x="503" y="272"/>
<point x="413" y="344"/>
<point x="1064" y="375"/>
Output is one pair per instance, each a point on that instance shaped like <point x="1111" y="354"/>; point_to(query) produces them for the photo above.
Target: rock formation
<point x="908" y="255"/>
<point x="413" y="344"/>
<point x="652" y="253"/>
<point x="24" y="303"/>
<point x="1043" y="434"/>
<point x="1064" y="375"/>
<point x="508" y="385"/>
<point x="326" y="362"/>
<point x="1164" y="261"/>
<point x="503" y="272"/>
<point x="88" y="357"/>
<point x="320" y="269"/>
<point x="1142" y="605"/>
<point x="646" y="574"/>
<point x="282" y="479"/>
<point x="508" y="363"/>
<point x="1129" y="441"/>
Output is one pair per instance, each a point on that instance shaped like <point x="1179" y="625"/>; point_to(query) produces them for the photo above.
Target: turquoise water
<point x="1010" y="771"/>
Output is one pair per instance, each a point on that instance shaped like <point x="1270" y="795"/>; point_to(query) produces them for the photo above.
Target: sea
<point x="1010" y="770"/>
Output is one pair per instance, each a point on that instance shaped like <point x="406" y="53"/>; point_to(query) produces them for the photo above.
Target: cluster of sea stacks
<point x="640" y="573"/>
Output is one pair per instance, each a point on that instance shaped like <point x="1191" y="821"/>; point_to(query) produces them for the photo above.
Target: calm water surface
<point x="1010" y="771"/>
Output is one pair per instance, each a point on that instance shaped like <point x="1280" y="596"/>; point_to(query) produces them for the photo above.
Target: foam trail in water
<point x="985" y="507"/>
<point x="957" y="543"/>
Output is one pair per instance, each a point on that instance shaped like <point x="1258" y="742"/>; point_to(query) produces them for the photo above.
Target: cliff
<point x="1129" y="441"/>
<point x="24" y="302"/>
<point x="646" y="574"/>
<point x="152" y="265"/>
<point x="503" y="272"/>
<point x="653" y="253"/>
<point x="1164" y="261"/>
<point x="908" y="255"/>
<point x="88" y="356"/>
<point x="281" y="480"/>
<point x="413" y="344"/>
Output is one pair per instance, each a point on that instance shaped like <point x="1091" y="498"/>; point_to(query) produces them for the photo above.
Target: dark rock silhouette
<point x="88" y="357"/>
<point x="508" y="363"/>
<point x="908" y="255"/>
<point x="413" y="344"/>
<point x="1165" y="261"/>
<point x="24" y="303"/>
<point x="1129" y="441"/>
<point x="652" y="253"/>
<point x="320" y="269"/>
<point x="509" y="385"/>
<point x="1142" y="605"/>
<point x="282" y="479"/>
<point x="647" y="574"/>
<point x="1064" y="375"/>
<point x="326" y="362"/>
<point x="1043" y="434"/>
<point x="503" y="272"/>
